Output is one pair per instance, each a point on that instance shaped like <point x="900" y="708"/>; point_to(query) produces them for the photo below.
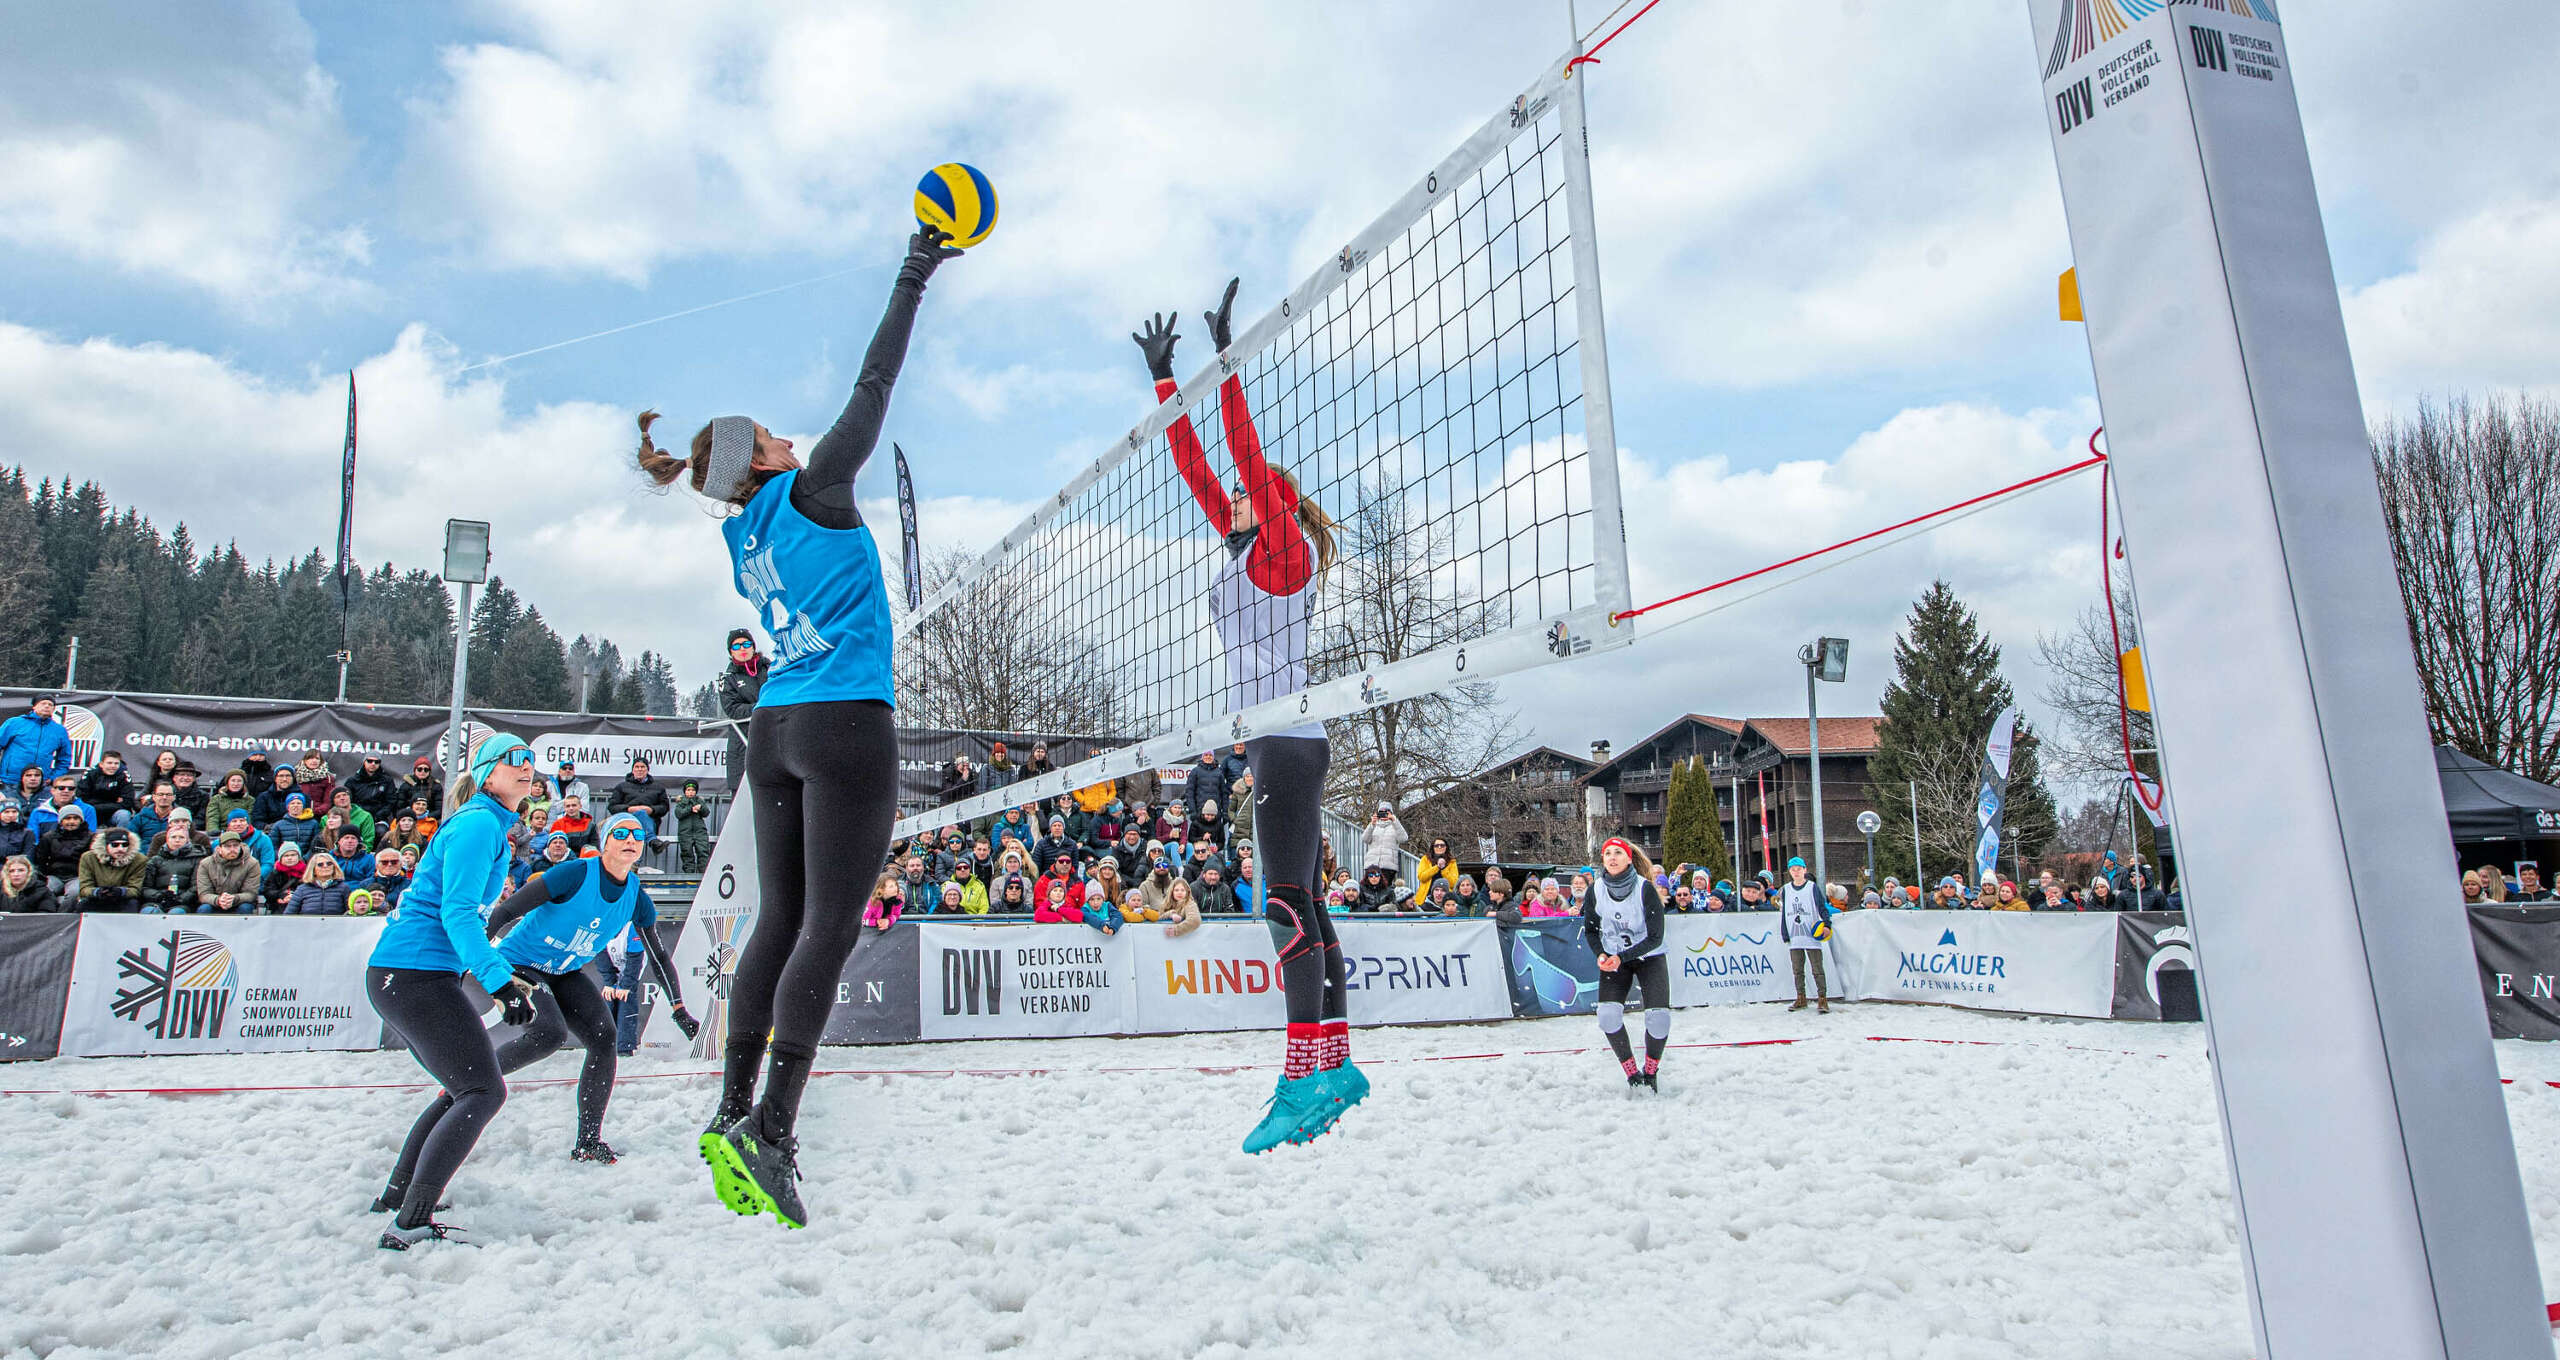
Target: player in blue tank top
<point x="435" y="939"/>
<point x="822" y="749"/>
<point x="549" y="930"/>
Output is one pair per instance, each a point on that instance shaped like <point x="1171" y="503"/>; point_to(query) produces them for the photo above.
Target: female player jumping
<point x="1622" y="918"/>
<point x="1279" y="545"/>
<point x="822" y="751"/>
<point x="560" y="920"/>
<point x="430" y="942"/>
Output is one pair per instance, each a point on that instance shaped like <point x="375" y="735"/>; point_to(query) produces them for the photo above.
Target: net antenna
<point x="1439" y="388"/>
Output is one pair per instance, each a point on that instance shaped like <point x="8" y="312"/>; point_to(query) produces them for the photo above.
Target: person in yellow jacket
<point x="1094" y="798"/>
<point x="1437" y="867"/>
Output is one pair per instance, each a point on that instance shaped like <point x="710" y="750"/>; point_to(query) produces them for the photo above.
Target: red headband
<point x="1620" y="842"/>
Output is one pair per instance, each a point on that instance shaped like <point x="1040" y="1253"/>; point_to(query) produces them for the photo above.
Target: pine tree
<point x="1692" y="827"/>
<point x="106" y="625"/>
<point x="1938" y="711"/>
<point x="657" y="684"/>
<point x="26" y="645"/>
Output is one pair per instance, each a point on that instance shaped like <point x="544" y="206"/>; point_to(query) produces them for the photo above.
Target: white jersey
<point x="1265" y="637"/>
<point x="1801" y="904"/>
<point x="1622" y="924"/>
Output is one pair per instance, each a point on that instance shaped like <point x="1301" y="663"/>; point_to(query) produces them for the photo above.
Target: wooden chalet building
<point x="1531" y="805"/>
<point x="1762" y="769"/>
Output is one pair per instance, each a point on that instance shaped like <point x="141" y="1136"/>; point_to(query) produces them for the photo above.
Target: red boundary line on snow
<point x="1223" y="1069"/>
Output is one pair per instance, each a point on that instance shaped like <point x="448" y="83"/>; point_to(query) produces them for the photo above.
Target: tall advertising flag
<point x="1994" y="797"/>
<point x="906" y="524"/>
<point x="347" y="512"/>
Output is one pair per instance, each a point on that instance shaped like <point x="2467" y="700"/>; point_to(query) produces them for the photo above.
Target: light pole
<point x="466" y="564"/>
<point x="1868" y="825"/>
<point x="1824" y="659"/>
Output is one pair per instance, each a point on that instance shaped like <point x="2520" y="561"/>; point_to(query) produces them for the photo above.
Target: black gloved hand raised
<point x="1155" y="341"/>
<point x="925" y="253"/>
<point x="685" y="1021"/>
<point x="1221" y="322"/>
<point x="515" y="1001"/>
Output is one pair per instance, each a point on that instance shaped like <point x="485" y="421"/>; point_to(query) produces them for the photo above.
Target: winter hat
<point x="738" y="635"/>
<point x="295" y="800"/>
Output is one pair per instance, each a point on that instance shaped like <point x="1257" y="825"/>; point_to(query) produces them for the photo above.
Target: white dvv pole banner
<point x="2380" y="1207"/>
<point x="715" y="929"/>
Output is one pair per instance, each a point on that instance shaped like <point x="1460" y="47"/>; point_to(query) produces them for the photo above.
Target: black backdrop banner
<point x="215" y="734"/>
<point x="35" y="981"/>
<point x="2148" y="943"/>
<point x="2519" y="953"/>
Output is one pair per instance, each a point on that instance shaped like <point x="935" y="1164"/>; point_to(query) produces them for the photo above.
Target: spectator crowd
<point x="296" y="838"/>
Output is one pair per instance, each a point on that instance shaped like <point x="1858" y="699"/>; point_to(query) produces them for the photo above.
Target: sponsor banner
<point x="1220" y="976"/>
<point x="715" y="929"/>
<point x="2519" y="954"/>
<point x="35" y="976"/>
<point x="2049" y="963"/>
<point x="210" y="984"/>
<point x="1428" y="971"/>
<point x="672" y="759"/>
<point x="1723" y="957"/>
<point x="1011" y="982"/>
<point x="2148" y="943"/>
<point x="1549" y="968"/>
<point x="876" y="995"/>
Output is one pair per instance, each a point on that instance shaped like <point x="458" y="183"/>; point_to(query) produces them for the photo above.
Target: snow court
<point x="2050" y="1189"/>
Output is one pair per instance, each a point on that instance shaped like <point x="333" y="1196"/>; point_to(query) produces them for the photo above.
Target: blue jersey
<point x="442" y="920"/>
<point x="818" y="593"/>
<point x="585" y="911"/>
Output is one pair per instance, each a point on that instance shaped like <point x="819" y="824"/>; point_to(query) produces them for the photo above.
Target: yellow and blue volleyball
<point x="958" y="201"/>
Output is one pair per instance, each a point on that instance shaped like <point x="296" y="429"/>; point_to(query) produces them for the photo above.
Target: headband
<point x="484" y="761"/>
<point x="635" y="818"/>
<point x="733" y="452"/>
<point x="1621" y="842"/>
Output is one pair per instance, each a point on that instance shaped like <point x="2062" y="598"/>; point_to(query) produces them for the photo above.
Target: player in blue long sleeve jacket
<point x="549" y="930"/>
<point x="434" y="940"/>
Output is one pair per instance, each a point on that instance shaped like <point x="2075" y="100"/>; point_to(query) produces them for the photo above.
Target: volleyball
<point x="958" y="201"/>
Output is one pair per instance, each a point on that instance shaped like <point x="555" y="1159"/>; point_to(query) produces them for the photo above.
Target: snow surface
<point x="2056" y="1189"/>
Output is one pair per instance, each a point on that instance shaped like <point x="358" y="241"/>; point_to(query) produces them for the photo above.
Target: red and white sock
<point x="1333" y="1044"/>
<point x="1628" y="1065"/>
<point x="1652" y="1065"/>
<point x="1303" y="1048"/>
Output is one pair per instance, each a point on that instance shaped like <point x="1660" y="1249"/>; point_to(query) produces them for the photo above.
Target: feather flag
<point x="906" y="526"/>
<point x="347" y="514"/>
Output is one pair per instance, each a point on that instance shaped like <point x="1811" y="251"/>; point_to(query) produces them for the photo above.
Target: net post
<point x="1599" y="421"/>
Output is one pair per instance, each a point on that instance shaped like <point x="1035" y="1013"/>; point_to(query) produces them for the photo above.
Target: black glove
<point x="1156" y="342"/>
<point x="925" y="253"/>
<point x="684" y="1020"/>
<point x="1221" y="324"/>
<point x="515" y="1001"/>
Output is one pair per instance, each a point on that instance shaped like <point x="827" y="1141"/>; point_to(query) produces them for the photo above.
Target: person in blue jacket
<point x="549" y="930"/>
<point x="822" y="748"/>
<point x="435" y="942"/>
<point x="35" y="738"/>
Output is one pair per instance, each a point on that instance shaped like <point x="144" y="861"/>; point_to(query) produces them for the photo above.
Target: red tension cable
<point x="2115" y="638"/>
<point x="2094" y="460"/>
<point x="1593" y="54"/>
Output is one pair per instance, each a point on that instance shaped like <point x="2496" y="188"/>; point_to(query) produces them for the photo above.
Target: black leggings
<point x="1653" y="973"/>
<point x="571" y="1005"/>
<point x="1288" y="843"/>
<point x="439" y="1019"/>
<point x="824" y="777"/>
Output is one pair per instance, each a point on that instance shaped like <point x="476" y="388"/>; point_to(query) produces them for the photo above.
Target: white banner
<point x="1426" y="971"/>
<point x="1225" y="976"/>
<point x="2049" y="963"/>
<point x="715" y="929"/>
<point x="604" y="757"/>
<point x="1720" y="958"/>
<point x="1015" y="982"/>
<point x="219" y="984"/>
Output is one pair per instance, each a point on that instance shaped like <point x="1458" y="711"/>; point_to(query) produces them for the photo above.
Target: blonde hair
<point x="465" y="788"/>
<point x="664" y="468"/>
<point x="889" y="878"/>
<point x="1180" y="888"/>
<point x="318" y="863"/>
<point x="1314" y="523"/>
<point x="14" y="861"/>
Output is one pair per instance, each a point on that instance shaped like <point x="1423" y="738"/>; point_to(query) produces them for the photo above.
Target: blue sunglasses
<point x="519" y="756"/>
<point x="626" y="833"/>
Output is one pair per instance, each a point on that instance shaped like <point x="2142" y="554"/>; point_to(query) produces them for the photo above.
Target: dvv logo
<point x="973" y="982"/>
<point x="86" y="732"/>
<point x="186" y="984"/>
<point x="1951" y="968"/>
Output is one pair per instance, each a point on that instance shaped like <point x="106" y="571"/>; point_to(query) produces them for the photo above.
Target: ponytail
<point x="1315" y="524"/>
<point x="663" y="468"/>
<point x="465" y="788"/>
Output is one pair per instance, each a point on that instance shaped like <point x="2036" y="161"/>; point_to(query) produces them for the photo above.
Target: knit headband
<point x="733" y="452"/>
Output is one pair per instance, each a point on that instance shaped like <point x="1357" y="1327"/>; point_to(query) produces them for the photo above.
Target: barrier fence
<point x="104" y="985"/>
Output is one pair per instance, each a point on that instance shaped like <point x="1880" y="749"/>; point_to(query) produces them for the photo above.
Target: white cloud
<point x="187" y="436"/>
<point x="201" y="152"/>
<point x="2026" y="566"/>
<point x="2480" y="309"/>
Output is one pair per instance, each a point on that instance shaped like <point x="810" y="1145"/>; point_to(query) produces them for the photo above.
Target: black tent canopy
<point x="2485" y="803"/>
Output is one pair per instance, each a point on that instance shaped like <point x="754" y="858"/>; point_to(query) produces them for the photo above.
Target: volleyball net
<point x="1438" y="387"/>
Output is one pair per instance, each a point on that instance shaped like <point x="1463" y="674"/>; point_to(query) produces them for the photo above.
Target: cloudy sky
<point x="1829" y="236"/>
